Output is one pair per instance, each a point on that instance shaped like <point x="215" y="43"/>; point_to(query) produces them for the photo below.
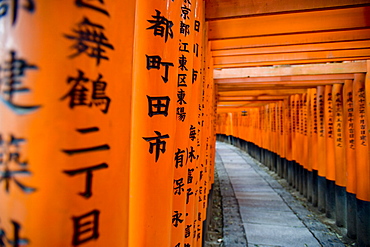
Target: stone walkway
<point x="258" y="211"/>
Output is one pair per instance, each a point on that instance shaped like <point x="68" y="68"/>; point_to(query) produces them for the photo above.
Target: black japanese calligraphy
<point x="17" y="240"/>
<point x="89" y="175"/>
<point x="180" y="97"/>
<point x="159" y="145"/>
<point x="193" y="133"/>
<point x="194" y="76"/>
<point x="192" y="155"/>
<point x="162" y="26"/>
<point x="158" y="105"/>
<point x="196" y="26"/>
<point x="362" y="116"/>
<point x="196" y="49"/>
<point x="350" y="117"/>
<point x="178" y="186"/>
<point x="86" y="4"/>
<point x="181" y="81"/>
<point x="321" y="115"/>
<point x="155" y="62"/>
<point x="188" y="193"/>
<point x="190" y="176"/>
<point x="11" y="84"/>
<point x="330" y="116"/>
<point x="87" y="170"/>
<point x="182" y="63"/>
<point x="176" y="218"/>
<point x="101" y="147"/>
<point x="83" y="93"/>
<point x="184" y="47"/>
<point x="181" y="114"/>
<point x="10" y="156"/>
<point x="90" y="39"/>
<point x="188" y="231"/>
<point x="179" y="158"/>
<point x="184" y="28"/>
<point x="185" y="11"/>
<point x="13" y="6"/>
<point x="85" y="227"/>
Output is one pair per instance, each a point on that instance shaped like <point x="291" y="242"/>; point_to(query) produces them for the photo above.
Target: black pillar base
<point x="295" y="175"/>
<point x="330" y="199"/>
<point x="363" y="223"/>
<point x="304" y="182"/>
<point x="279" y="166"/>
<point x="351" y="215"/>
<point x="299" y="178"/>
<point x="290" y="172"/>
<point x="309" y="185"/>
<point x="315" y="195"/>
<point x="285" y="168"/>
<point x="340" y="206"/>
<point x="321" y="186"/>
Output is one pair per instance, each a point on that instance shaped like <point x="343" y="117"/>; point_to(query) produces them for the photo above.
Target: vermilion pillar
<point x="65" y="128"/>
<point x="362" y="160"/>
<point x="350" y="153"/>
<point x="154" y="119"/>
<point x="321" y="145"/>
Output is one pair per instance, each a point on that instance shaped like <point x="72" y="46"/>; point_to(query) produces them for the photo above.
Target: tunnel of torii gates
<point x="109" y="113"/>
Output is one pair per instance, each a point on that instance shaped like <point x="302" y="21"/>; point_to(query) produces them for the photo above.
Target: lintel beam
<point x="258" y="98"/>
<point x="232" y="8"/>
<point x="278" y="84"/>
<point x="326" y="20"/>
<point x="295" y="70"/>
<point x="263" y="92"/>
<point x="276" y="87"/>
<point x="283" y="49"/>
<point x="294" y="57"/>
<point x="289" y="78"/>
<point x="291" y="39"/>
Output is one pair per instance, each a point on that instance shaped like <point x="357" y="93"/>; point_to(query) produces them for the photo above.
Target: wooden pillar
<point x="154" y="124"/>
<point x="362" y="161"/>
<point x="321" y="145"/>
<point x="350" y="153"/>
<point x="65" y="144"/>
<point x="314" y="150"/>
<point x="340" y="158"/>
<point x="330" y="156"/>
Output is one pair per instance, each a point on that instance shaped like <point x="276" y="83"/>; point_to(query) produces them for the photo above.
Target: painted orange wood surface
<point x="291" y="39"/>
<point x="151" y="175"/>
<point x="290" y="23"/>
<point x="310" y="69"/>
<point x="232" y="8"/>
<point x="299" y="49"/>
<point x="54" y="213"/>
<point x="361" y="139"/>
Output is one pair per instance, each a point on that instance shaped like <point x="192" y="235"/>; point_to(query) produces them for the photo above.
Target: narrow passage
<point x="262" y="208"/>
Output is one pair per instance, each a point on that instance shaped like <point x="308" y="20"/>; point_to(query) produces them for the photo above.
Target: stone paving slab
<point x="259" y="206"/>
<point x="276" y="218"/>
<point x="279" y="235"/>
